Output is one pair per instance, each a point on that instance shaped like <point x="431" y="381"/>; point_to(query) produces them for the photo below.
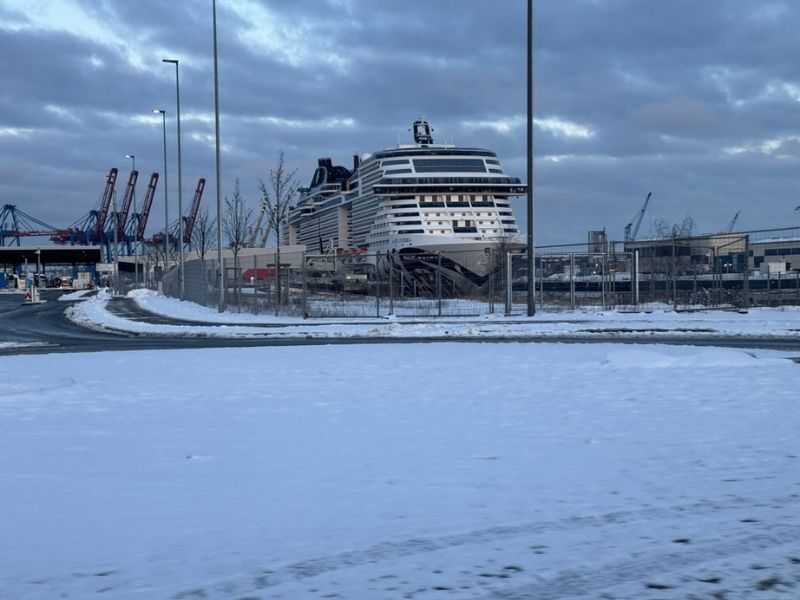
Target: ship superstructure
<point x="420" y="197"/>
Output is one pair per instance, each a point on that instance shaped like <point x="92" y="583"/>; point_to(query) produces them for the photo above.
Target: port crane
<point x="189" y="225"/>
<point x="732" y="224"/>
<point x="105" y="204"/>
<point x="15" y="224"/>
<point x="251" y="243"/>
<point x="122" y="215"/>
<point x="145" y="214"/>
<point x="89" y="229"/>
<point x="632" y="228"/>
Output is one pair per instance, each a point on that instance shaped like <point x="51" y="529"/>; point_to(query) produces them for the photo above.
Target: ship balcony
<point x="465" y="229"/>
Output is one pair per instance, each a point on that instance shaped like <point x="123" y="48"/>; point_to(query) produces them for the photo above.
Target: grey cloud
<point x="666" y="87"/>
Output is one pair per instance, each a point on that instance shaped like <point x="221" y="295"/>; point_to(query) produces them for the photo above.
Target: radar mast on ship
<point x="422" y="132"/>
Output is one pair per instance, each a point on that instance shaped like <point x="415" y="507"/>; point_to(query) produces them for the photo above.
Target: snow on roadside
<point x="756" y="322"/>
<point x="76" y="295"/>
<point x="8" y="345"/>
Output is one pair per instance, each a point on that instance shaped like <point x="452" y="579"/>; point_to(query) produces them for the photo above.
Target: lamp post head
<point x="130" y="156"/>
<point x="159" y="110"/>
<point x="174" y="61"/>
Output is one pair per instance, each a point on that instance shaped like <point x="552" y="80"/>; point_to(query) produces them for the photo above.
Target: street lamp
<point x="221" y="270"/>
<point x="166" y="203"/>
<point x="531" y="247"/>
<point x="135" y="249"/>
<point x="180" y="178"/>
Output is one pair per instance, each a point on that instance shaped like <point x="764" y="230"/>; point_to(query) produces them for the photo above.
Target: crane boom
<point x="122" y="218"/>
<point x="198" y="195"/>
<point x="148" y="202"/>
<point x="732" y="224"/>
<point x="254" y="234"/>
<point x="632" y="228"/>
<point x="105" y="203"/>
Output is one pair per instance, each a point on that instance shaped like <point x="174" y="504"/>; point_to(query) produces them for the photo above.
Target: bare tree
<point x="276" y="198"/>
<point x="204" y="235"/>
<point x="236" y="223"/>
<point x="663" y="229"/>
<point x="673" y="255"/>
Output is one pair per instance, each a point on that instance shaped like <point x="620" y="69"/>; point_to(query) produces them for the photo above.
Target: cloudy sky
<point x="695" y="101"/>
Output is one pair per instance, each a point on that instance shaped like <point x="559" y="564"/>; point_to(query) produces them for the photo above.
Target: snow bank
<point x="757" y="322"/>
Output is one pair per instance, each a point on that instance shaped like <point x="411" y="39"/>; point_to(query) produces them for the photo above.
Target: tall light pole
<point x="166" y="203"/>
<point x="221" y="271"/>
<point x="531" y="248"/>
<point x="135" y="249"/>
<point x="180" y="177"/>
<point x="115" y="283"/>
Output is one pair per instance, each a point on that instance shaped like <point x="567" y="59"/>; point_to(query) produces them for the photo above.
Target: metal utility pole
<point x="221" y="273"/>
<point x="135" y="249"/>
<point x="115" y="286"/>
<point x="531" y="249"/>
<point x="166" y="201"/>
<point x="180" y="176"/>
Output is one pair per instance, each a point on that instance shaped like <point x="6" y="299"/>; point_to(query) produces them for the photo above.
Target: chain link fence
<point x="682" y="273"/>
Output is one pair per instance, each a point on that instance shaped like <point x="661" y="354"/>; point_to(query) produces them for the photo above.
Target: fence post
<point x="492" y="274"/>
<point x="305" y="284"/>
<point x="541" y="281"/>
<point x="768" y="285"/>
<point x="508" y="284"/>
<point x="439" y="284"/>
<point x="674" y="273"/>
<point x="572" y="280"/>
<point x="746" y="283"/>
<point x="391" y="284"/>
<point x="603" y="281"/>
<point x="635" y="279"/>
<point x="377" y="286"/>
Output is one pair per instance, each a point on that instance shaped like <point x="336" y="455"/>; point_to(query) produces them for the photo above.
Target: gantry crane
<point x="198" y="195"/>
<point x="145" y="214"/>
<point x="15" y="224"/>
<point x="89" y="229"/>
<point x="122" y="216"/>
<point x="105" y="203"/>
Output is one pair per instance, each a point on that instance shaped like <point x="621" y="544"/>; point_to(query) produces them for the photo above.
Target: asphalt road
<point x="47" y="325"/>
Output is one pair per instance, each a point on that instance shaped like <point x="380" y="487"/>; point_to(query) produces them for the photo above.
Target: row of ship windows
<point x="437" y="231"/>
<point x="455" y="226"/>
<point x="455" y="230"/>
<point x="404" y="161"/>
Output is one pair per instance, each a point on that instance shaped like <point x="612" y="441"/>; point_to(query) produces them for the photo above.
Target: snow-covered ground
<point x="401" y="471"/>
<point x="468" y="471"/>
<point x="663" y="321"/>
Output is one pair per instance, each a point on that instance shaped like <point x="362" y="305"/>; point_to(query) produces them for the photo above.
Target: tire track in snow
<point x="590" y="582"/>
<point x="386" y="551"/>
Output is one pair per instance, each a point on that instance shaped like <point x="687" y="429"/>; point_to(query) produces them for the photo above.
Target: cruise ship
<point x="419" y="207"/>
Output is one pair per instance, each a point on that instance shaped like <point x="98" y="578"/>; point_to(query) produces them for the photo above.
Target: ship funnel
<point x="422" y="132"/>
